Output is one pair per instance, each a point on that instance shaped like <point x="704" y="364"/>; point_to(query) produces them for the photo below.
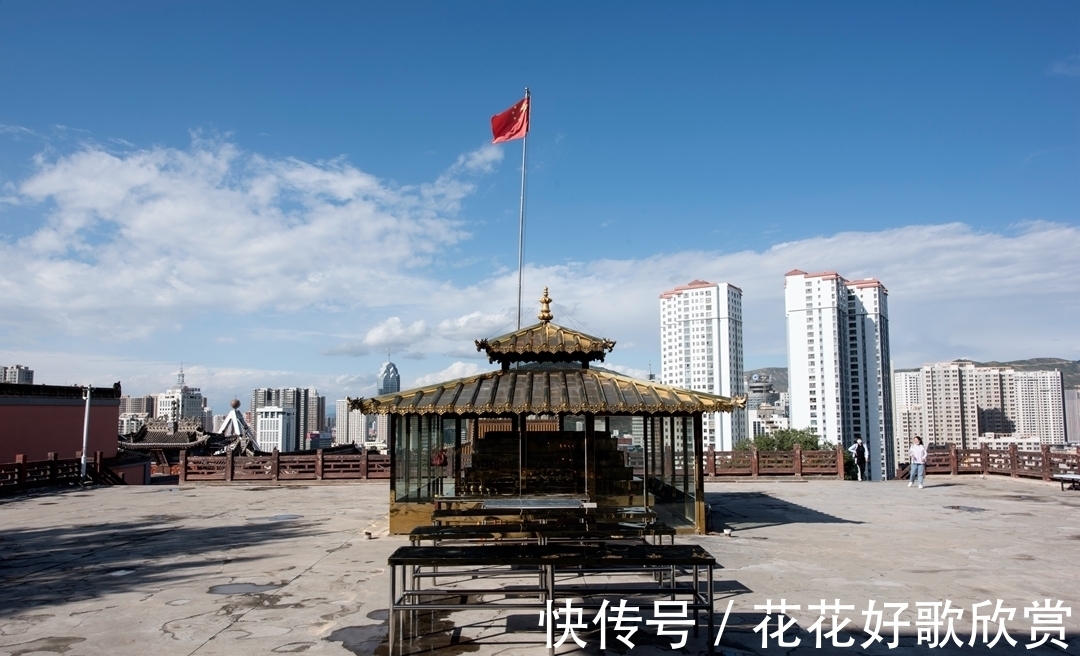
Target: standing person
<point x="858" y="452"/>
<point x="918" y="462"/>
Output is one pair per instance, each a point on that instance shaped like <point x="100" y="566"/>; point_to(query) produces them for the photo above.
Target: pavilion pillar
<point x="183" y="467"/>
<point x="590" y="457"/>
<point x="700" y="518"/>
<point x="275" y="464"/>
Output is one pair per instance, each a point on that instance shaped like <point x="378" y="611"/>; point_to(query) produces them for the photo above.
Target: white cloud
<point x="1070" y="66"/>
<point x="456" y="370"/>
<point x="181" y="232"/>
<point x="476" y="325"/>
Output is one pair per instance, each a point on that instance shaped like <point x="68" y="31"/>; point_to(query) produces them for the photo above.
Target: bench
<point x="1072" y="479"/>
<point x="546" y="560"/>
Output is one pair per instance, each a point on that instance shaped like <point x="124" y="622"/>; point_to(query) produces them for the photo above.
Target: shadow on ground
<point x="63" y="563"/>
<point x="745" y="510"/>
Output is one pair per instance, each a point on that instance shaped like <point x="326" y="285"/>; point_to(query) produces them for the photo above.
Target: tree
<point x="785" y="440"/>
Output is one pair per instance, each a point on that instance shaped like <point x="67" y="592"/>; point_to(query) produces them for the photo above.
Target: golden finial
<point x="545" y="308"/>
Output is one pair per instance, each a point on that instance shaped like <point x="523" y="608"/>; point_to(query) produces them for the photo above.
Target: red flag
<point x="511" y="124"/>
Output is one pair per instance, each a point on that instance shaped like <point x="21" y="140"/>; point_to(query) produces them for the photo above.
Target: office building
<point x="701" y="348"/>
<point x="183" y="402"/>
<point x="17" y="374"/>
<point x="276" y="428"/>
<point x="839" y="369"/>
<point x="389" y="379"/>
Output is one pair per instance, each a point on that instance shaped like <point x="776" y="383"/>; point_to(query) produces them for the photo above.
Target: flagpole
<point x="521" y="214"/>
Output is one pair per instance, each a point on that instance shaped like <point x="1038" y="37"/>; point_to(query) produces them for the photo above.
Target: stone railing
<point x="797" y="462"/>
<point x="282" y="467"/>
<point x="1042" y="464"/>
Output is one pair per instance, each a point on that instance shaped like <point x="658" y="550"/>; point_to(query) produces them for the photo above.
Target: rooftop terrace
<point x="257" y="569"/>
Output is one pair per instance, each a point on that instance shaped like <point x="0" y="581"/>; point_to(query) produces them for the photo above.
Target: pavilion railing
<point x="283" y="467"/>
<point x="1043" y="464"/>
<point x="753" y="463"/>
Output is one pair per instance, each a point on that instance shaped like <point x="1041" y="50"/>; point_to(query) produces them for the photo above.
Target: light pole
<point x="85" y="431"/>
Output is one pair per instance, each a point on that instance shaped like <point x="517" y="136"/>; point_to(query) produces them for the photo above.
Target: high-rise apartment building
<point x="839" y="369"/>
<point x="907" y="411"/>
<point x="1072" y="414"/>
<point x="701" y="348"/>
<point x="140" y="405"/>
<point x="350" y="425"/>
<point x="17" y="375"/>
<point x="962" y="404"/>
<point x="308" y="408"/>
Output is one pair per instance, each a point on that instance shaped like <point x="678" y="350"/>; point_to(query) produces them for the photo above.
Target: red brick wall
<point x="35" y="427"/>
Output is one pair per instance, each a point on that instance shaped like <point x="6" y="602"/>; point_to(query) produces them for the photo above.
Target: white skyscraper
<point x="908" y="409"/>
<point x="701" y="348"/>
<point x="839" y="370"/>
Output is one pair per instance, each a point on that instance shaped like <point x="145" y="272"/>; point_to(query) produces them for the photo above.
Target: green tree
<point x="784" y="440"/>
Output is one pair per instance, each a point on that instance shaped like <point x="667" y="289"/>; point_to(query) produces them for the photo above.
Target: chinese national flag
<point x="511" y="124"/>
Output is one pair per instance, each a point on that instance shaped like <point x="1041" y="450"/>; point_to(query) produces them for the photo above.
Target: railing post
<point x="710" y="464"/>
<point x="20" y="476"/>
<point x="1013" y="464"/>
<point x="98" y="457"/>
<point x="229" y="466"/>
<point x="954" y="463"/>
<point x="984" y="457"/>
<point x="363" y="463"/>
<point x="754" y="462"/>
<point x="183" y="466"/>
<point x="840" y="461"/>
<point x="275" y="464"/>
<point x="797" y="460"/>
<point x="318" y="464"/>
<point x="52" y="466"/>
<point x="1046" y="462"/>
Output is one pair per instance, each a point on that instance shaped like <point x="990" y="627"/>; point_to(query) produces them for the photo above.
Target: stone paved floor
<point x="254" y="570"/>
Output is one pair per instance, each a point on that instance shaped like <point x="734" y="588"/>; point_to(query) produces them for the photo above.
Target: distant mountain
<point x="1070" y="370"/>
<point x="779" y="376"/>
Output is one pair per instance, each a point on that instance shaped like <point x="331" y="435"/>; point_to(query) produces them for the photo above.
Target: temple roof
<point x="545" y="342"/>
<point x="547" y="391"/>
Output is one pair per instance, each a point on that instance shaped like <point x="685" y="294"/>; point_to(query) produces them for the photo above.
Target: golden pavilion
<point x="541" y="427"/>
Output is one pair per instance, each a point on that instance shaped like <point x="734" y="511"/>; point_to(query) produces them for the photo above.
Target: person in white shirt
<point x="858" y="452"/>
<point x="918" y="462"/>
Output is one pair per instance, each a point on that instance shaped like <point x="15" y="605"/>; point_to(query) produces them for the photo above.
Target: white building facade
<point x="350" y="427"/>
<point x="276" y="428"/>
<point x="17" y="374"/>
<point x="839" y="369"/>
<point x="701" y="347"/>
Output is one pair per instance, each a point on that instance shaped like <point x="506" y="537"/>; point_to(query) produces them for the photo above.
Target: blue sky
<point x="277" y="193"/>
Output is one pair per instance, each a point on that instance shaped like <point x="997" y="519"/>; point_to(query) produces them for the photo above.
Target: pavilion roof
<point x="547" y="391"/>
<point x="545" y="342"/>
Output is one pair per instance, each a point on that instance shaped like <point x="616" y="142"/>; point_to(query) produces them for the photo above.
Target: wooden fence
<point x="283" y="467"/>
<point x="1042" y="464"/>
<point x="24" y="474"/>
<point x="753" y="463"/>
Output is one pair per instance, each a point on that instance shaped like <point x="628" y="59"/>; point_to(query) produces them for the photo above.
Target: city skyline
<point x="287" y="218"/>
